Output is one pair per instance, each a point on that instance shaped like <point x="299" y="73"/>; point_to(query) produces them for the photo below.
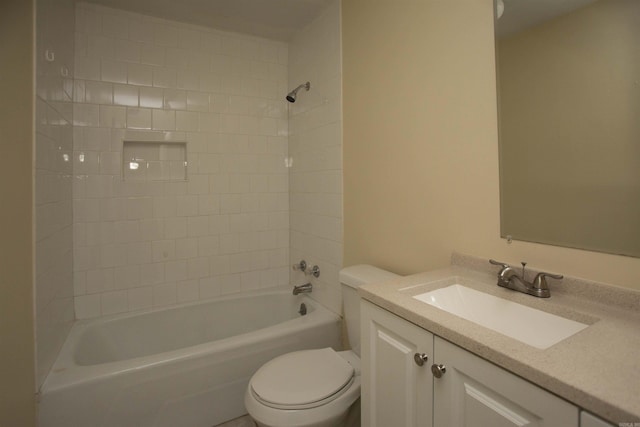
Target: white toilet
<point x="315" y="388"/>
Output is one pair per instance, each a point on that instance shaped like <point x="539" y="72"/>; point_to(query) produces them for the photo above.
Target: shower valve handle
<point x="301" y="266"/>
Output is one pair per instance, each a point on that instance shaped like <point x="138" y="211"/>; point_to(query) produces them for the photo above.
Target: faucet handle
<point x="540" y="282"/>
<point x="301" y="266"/>
<point x="500" y="263"/>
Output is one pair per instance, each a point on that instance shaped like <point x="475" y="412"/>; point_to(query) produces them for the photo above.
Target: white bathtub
<point x="185" y="366"/>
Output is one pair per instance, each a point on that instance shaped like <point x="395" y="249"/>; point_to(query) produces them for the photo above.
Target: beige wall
<point x="420" y="143"/>
<point x="17" y="382"/>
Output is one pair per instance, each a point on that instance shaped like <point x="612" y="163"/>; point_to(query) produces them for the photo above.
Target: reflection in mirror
<point x="569" y="112"/>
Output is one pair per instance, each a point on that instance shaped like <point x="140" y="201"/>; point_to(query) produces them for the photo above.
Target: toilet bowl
<point x="280" y="394"/>
<point x="315" y="388"/>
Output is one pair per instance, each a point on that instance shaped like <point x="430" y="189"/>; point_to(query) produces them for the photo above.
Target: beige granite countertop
<point x="597" y="369"/>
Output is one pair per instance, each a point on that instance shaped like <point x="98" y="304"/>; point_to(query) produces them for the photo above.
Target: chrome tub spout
<point x="300" y="289"/>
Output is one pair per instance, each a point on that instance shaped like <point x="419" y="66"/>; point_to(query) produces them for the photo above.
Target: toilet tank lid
<point x="358" y="275"/>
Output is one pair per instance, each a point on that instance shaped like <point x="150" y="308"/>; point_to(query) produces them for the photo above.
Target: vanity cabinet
<point x="396" y="389"/>
<point x="474" y="389"/>
<point x="453" y="388"/>
<point x="589" y="420"/>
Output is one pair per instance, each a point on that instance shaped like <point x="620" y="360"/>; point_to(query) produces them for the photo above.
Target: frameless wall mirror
<point x="568" y="77"/>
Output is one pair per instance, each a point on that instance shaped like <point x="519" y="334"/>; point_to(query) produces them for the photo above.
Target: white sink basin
<point x="528" y="325"/>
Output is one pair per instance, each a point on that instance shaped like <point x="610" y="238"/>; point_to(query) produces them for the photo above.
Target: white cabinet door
<point x="588" y="420"/>
<point x="475" y="393"/>
<point x="396" y="391"/>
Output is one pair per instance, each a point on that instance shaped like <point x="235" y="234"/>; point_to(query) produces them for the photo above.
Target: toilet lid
<point x="302" y="377"/>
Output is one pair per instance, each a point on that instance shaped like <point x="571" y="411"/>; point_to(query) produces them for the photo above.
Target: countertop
<point x="597" y="369"/>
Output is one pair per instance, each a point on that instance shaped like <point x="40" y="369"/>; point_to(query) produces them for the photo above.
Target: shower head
<point x="291" y="96"/>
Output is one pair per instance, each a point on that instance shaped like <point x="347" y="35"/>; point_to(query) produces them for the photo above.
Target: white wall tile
<point x="211" y="43"/>
<point x="198" y="268"/>
<point x="99" y="46"/>
<point x="87" y="306"/>
<point x="139" y="253"/>
<point x="127" y="51"/>
<point x="115" y="25"/>
<point x="113" y="71"/>
<point x="163" y="250"/>
<point x="209" y="122"/>
<point x="87" y="68"/>
<point x="175" y="228"/>
<point x="175" y="99"/>
<point x="188" y="291"/>
<point x="175" y="271"/>
<point x="165" y="294"/>
<point x="165" y="35"/>
<point x="197" y="226"/>
<point x="187" y="79"/>
<point x="316" y="194"/>
<point x="138" y="118"/>
<point x="210" y="82"/>
<point x="98" y="92"/>
<point x="126" y="277"/>
<point x="209" y="287"/>
<point x="176" y="58"/>
<point x="125" y="95"/>
<point x="186" y="205"/>
<point x="139" y="74"/>
<point x="100" y="280"/>
<point x="151" y="274"/>
<point x="113" y="117"/>
<point x="151" y="97"/>
<point x="163" y="120"/>
<point x="208" y="245"/>
<point x="86" y="115"/>
<point x="186" y="248"/>
<point x="151" y="229"/>
<point x="197" y="101"/>
<point x="151" y="54"/>
<point x="165" y="77"/>
<point x="140" y="298"/>
<point x="113" y="302"/>
<point x="170" y="242"/>
<point x="140" y="30"/>
<point x="187" y="121"/>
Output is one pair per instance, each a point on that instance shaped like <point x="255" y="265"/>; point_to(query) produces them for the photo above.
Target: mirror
<point x="569" y="123"/>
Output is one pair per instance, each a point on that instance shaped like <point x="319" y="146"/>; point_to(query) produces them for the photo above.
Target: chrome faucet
<point x="302" y="289"/>
<point x="509" y="278"/>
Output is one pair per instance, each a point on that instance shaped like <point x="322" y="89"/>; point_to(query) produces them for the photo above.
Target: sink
<point x="528" y="325"/>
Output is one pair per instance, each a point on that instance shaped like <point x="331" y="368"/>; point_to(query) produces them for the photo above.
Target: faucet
<point x="509" y="278"/>
<point x="302" y="289"/>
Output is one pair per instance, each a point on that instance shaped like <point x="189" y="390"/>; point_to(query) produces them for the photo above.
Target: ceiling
<point x="273" y="19"/>
<point x="522" y="14"/>
<point x="281" y="19"/>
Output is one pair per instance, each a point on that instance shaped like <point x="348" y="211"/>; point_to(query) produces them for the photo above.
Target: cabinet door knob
<point x="420" y="358"/>
<point x="438" y="370"/>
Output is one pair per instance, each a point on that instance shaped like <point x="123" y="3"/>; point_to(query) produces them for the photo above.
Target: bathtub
<point x="184" y="366"/>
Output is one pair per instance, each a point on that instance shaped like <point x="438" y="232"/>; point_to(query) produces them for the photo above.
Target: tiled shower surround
<point x="54" y="311"/>
<point x="150" y="243"/>
<point x="315" y="145"/>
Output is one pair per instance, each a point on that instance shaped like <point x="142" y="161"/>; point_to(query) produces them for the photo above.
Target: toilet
<point x="316" y="388"/>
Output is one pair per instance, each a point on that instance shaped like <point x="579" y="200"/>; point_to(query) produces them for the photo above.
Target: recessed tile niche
<point x="154" y="161"/>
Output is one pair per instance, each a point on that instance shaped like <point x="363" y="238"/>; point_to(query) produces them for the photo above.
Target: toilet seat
<point x="302" y="379"/>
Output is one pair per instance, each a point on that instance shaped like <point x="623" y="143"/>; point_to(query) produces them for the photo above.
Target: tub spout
<point x="300" y="289"/>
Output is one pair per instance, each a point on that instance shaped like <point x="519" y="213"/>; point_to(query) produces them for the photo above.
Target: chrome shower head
<point x="291" y="96"/>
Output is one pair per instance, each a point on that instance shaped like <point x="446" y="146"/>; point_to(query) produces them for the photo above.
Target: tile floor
<point x="244" y="421"/>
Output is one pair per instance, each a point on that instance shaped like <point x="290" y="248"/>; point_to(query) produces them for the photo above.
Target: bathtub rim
<point x="65" y="372"/>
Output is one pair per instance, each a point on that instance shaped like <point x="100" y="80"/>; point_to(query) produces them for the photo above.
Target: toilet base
<point x="350" y="418"/>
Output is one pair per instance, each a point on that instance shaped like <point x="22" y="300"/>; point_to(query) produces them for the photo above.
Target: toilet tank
<point x="351" y="278"/>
